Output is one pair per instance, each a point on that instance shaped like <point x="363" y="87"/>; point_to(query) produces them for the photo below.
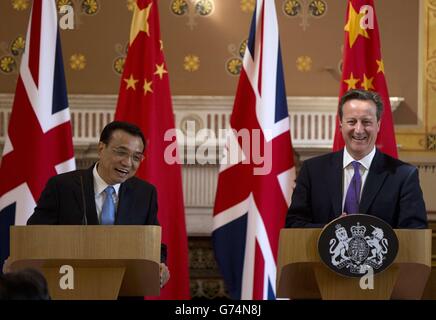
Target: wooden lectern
<point x="107" y="260"/>
<point x="302" y="275"/>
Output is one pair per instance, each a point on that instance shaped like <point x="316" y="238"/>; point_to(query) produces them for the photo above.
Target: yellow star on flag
<point x="354" y="26"/>
<point x="140" y="22"/>
<point x="160" y="70"/>
<point x="367" y="83"/>
<point x="161" y="45"/>
<point x="147" y="87"/>
<point x="352" y="82"/>
<point x="131" y="82"/>
<point x="381" y="66"/>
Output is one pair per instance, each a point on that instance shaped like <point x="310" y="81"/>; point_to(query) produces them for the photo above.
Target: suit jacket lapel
<point x="125" y="200"/>
<point x="87" y="195"/>
<point x="374" y="181"/>
<point x="334" y="181"/>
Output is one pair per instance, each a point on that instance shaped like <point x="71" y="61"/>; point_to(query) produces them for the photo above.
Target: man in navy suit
<point x="80" y="197"/>
<point x="378" y="184"/>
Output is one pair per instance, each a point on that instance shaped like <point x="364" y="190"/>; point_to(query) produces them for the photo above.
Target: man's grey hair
<point x="362" y="95"/>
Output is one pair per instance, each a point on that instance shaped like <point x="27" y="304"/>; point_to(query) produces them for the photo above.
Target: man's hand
<point x="164" y="274"/>
<point x="344" y="214"/>
<point x="7" y="266"/>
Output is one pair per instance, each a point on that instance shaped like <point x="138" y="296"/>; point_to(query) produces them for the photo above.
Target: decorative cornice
<point x="217" y="103"/>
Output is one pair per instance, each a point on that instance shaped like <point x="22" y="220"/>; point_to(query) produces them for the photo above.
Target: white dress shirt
<point x="99" y="186"/>
<point x="365" y="163"/>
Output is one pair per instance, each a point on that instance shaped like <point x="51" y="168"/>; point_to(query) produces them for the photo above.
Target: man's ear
<point x="100" y="147"/>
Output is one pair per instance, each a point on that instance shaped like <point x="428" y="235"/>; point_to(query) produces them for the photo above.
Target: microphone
<point x="84" y="218"/>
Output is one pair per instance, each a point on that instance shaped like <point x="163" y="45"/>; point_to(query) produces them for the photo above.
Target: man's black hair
<point x="27" y="284"/>
<point x="132" y="129"/>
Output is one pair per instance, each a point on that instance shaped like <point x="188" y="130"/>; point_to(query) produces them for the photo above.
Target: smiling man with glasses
<point x="120" y="150"/>
<point x="111" y="192"/>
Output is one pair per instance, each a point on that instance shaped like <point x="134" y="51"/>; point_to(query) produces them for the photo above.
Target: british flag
<point x="39" y="139"/>
<point x="251" y="205"/>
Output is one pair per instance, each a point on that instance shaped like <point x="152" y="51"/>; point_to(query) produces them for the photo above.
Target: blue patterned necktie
<point x="353" y="193"/>
<point x="108" y="211"/>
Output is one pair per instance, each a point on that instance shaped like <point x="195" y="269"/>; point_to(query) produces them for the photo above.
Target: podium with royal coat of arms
<point x="303" y="274"/>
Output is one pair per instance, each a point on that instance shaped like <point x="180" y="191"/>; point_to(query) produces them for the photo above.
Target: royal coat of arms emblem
<point x="351" y="245"/>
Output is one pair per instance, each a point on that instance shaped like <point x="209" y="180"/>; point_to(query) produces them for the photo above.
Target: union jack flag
<point x="250" y="207"/>
<point x="39" y="139"/>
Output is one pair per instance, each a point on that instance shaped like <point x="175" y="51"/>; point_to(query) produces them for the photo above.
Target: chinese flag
<point x="363" y="68"/>
<point x="145" y="100"/>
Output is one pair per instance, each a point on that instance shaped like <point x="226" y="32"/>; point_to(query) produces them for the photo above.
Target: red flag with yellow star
<point x="363" y="68"/>
<point x="145" y="100"/>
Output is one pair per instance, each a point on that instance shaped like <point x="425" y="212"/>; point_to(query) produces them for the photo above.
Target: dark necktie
<point x="353" y="193"/>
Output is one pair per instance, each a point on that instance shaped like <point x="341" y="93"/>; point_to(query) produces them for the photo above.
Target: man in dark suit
<point x="106" y="193"/>
<point x="359" y="178"/>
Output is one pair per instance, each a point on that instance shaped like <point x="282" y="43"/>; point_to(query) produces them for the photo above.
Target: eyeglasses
<point x="123" y="153"/>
